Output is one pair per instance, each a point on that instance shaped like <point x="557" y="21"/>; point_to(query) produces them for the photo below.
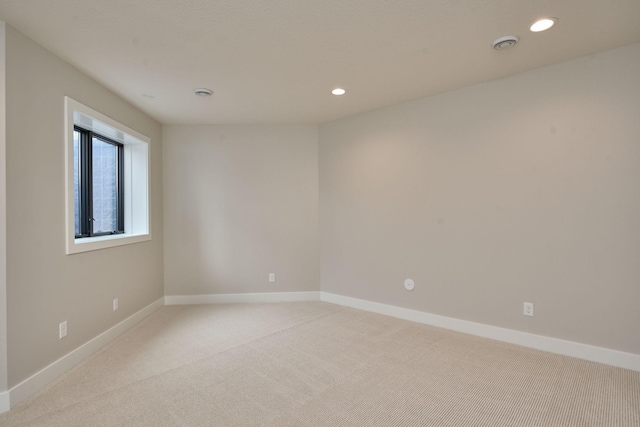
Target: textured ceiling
<point x="276" y="61"/>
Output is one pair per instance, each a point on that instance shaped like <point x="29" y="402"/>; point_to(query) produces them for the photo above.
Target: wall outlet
<point x="62" y="329"/>
<point x="272" y="277"/>
<point x="115" y="304"/>
<point x="528" y="309"/>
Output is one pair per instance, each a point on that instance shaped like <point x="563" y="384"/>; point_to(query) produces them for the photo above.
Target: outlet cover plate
<point x="528" y="309"/>
<point x="62" y="329"/>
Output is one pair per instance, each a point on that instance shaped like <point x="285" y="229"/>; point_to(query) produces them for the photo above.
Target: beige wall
<point x="521" y="189"/>
<point x="44" y="285"/>
<point x="240" y="202"/>
<point x="3" y="220"/>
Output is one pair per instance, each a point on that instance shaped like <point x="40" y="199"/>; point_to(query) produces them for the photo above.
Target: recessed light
<point x="338" y="91"/>
<point x="543" y="24"/>
<point x="201" y="91"/>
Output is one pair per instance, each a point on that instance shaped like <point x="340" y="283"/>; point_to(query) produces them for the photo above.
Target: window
<point x="98" y="192"/>
<point x="107" y="197"/>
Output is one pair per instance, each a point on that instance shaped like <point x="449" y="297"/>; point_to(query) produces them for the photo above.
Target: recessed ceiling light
<point x="505" y="42"/>
<point x="201" y="91"/>
<point x="543" y="24"/>
<point x="338" y="91"/>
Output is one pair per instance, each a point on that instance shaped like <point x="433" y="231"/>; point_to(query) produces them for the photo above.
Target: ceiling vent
<point x="203" y="91"/>
<point x="505" y="42"/>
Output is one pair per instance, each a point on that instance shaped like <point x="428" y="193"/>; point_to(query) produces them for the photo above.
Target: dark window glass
<point x="105" y="186"/>
<point x="76" y="180"/>
<point x="98" y="193"/>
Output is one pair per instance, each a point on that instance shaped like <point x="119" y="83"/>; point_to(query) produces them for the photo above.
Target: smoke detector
<point x="203" y="91"/>
<point x="505" y="42"/>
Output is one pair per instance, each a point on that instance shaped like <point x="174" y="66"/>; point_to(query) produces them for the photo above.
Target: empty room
<point x="305" y="213"/>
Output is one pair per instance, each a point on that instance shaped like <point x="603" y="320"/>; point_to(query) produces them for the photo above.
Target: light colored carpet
<point x="318" y="364"/>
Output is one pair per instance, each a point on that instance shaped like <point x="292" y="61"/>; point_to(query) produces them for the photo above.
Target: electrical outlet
<point x="272" y="277"/>
<point x="115" y="304"/>
<point x="528" y="309"/>
<point x="62" y="329"/>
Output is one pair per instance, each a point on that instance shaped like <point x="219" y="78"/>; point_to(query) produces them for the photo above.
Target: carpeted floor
<point x="318" y="364"/>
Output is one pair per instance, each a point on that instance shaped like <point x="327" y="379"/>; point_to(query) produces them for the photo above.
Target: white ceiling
<point x="276" y="61"/>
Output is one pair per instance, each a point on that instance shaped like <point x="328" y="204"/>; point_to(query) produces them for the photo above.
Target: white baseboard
<point x="5" y="402"/>
<point x="38" y="380"/>
<point x="552" y="345"/>
<point x="241" y="298"/>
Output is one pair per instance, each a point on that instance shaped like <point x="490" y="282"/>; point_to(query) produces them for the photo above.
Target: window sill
<point x="102" y="242"/>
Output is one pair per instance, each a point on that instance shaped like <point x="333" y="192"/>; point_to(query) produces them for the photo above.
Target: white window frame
<point x="137" y="221"/>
